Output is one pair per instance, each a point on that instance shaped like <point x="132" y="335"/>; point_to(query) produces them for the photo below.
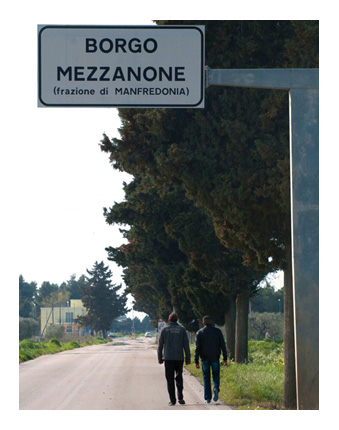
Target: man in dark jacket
<point x="209" y="344"/>
<point x="174" y="340"/>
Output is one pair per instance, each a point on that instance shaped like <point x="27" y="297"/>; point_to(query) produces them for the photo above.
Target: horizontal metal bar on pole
<point x="283" y="79"/>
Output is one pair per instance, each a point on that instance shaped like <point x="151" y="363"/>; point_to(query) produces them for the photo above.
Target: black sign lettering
<point x="62" y="72"/>
<point x="91" y="45"/>
<point x="119" y="45"/>
<point x="130" y="74"/>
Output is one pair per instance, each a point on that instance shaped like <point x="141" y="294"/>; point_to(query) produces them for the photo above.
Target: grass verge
<point x="255" y="385"/>
<point x="30" y="349"/>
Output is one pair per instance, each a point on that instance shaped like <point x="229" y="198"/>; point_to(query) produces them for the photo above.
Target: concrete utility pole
<point x="303" y="87"/>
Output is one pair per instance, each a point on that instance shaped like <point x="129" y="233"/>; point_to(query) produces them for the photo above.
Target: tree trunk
<point x="230" y="316"/>
<point x="241" y="327"/>
<point x="289" y="396"/>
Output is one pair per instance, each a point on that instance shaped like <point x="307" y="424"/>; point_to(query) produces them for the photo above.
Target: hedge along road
<point x="121" y="375"/>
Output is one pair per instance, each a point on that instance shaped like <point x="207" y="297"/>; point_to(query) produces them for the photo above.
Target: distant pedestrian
<point x="208" y="346"/>
<point x="174" y="341"/>
<point x="267" y="334"/>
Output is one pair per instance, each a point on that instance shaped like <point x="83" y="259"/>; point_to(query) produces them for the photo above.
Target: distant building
<point x="63" y="315"/>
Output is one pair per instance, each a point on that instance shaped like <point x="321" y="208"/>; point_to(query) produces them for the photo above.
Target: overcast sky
<point x="67" y="181"/>
<point x="61" y="178"/>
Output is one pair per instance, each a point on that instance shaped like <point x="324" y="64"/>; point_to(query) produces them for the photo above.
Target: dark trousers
<point x="207" y="366"/>
<point x="173" y="372"/>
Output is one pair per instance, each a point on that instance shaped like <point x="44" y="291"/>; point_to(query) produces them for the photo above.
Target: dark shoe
<point x="171" y="404"/>
<point x="215" y="394"/>
<point x="182" y="401"/>
<point x="207" y="401"/>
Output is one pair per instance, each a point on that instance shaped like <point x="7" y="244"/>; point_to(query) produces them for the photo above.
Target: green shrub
<point x="25" y="355"/>
<point x="71" y="345"/>
<point x="29" y="344"/>
<point x="29" y="349"/>
<point x="28" y="327"/>
<point x="54" y="331"/>
<point x="55" y="342"/>
<point x="260" y="322"/>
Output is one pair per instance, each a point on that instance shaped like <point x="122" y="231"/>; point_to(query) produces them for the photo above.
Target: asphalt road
<point x="111" y="376"/>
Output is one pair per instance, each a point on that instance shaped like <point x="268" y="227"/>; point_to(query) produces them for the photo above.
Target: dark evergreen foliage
<point x="231" y="160"/>
<point x="27" y="292"/>
<point x="267" y="299"/>
<point x="101" y="299"/>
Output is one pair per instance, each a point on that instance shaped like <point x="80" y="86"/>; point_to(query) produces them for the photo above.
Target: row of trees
<point x="208" y="210"/>
<point x="32" y="297"/>
<point x="267" y="299"/>
<point x="140" y="326"/>
<point x="103" y="300"/>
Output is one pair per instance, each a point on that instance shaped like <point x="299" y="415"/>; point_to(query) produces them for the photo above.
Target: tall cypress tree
<point x="101" y="299"/>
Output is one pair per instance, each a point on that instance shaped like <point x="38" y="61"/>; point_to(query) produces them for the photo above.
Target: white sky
<point x="62" y="179"/>
<point x="54" y="178"/>
<point x="67" y="181"/>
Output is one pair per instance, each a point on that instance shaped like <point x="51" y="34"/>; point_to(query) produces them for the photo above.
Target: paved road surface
<point x="108" y="376"/>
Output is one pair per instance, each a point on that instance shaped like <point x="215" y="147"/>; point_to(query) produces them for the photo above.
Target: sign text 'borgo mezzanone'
<point x="145" y="66"/>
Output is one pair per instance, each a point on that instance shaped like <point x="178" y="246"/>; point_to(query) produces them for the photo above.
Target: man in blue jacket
<point x="209" y="344"/>
<point x="174" y="340"/>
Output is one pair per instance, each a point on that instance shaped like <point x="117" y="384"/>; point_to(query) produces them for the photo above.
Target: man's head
<point x="207" y="320"/>
<point x="173" y="317"/>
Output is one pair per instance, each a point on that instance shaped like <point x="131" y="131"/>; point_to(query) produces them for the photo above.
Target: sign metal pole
<point x="303" y="87"/>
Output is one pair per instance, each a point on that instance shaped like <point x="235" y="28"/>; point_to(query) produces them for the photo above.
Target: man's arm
<point x="187" y="349"/>
<point x="197" y="350"/>
<point x="223" y="348"/>
<point x="160" y="347"/>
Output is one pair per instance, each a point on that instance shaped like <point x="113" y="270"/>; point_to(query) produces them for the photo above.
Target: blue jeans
<point x="207" y="365"/>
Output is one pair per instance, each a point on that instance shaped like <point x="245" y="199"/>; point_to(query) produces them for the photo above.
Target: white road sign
<point x="147" y="66"/>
